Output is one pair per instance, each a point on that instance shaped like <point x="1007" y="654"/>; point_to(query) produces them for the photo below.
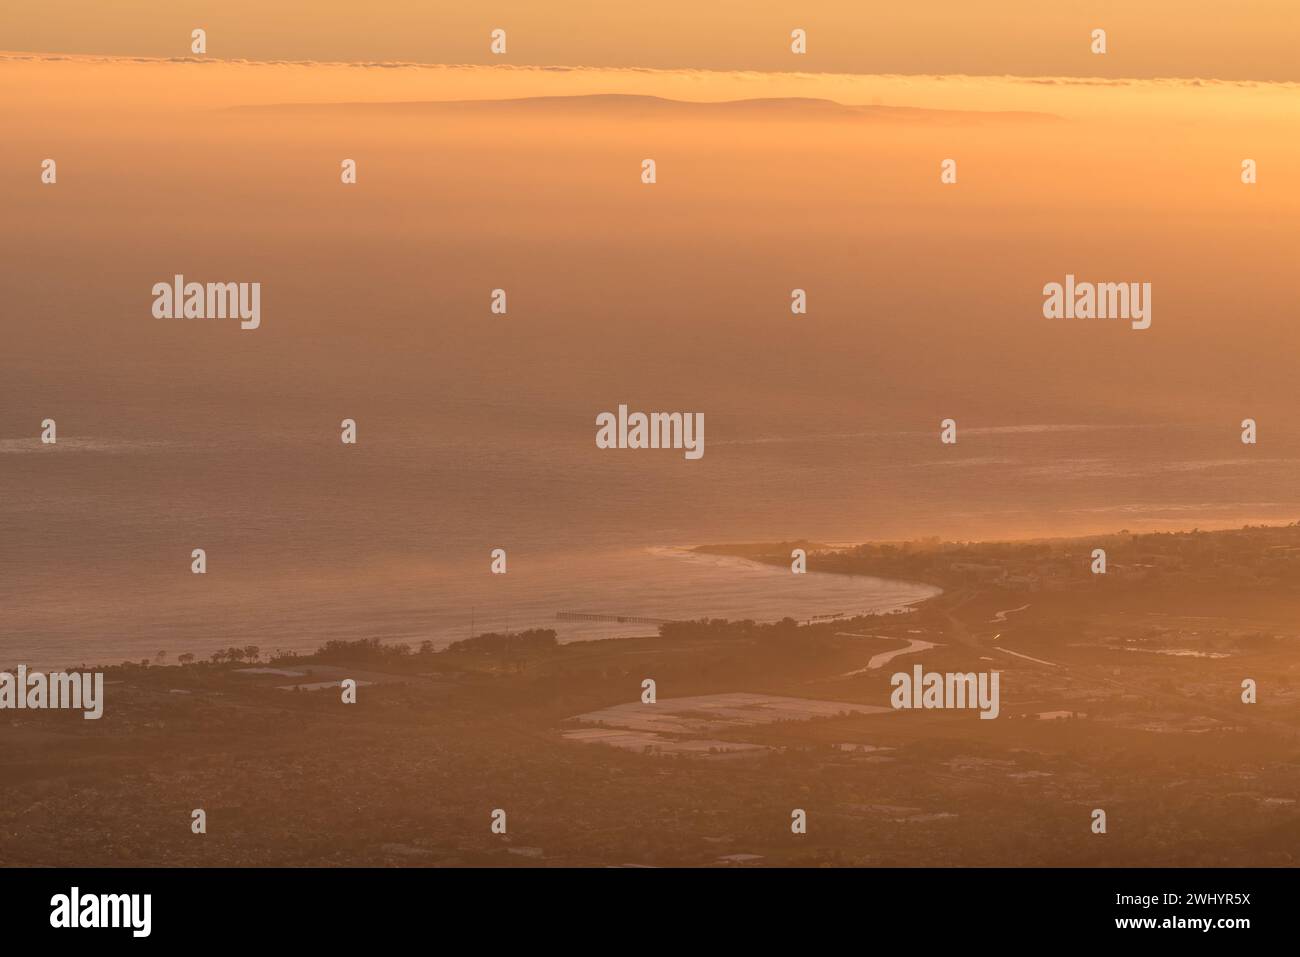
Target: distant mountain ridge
<point x="628" y="104"/>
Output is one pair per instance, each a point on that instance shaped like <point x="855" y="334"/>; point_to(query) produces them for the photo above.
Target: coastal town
<point x="1163" y="693"/>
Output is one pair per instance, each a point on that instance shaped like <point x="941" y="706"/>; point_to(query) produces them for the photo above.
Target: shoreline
<point x="862" y="561"/>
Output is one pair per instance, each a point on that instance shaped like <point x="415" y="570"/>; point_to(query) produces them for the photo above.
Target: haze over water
<point x="477" y="431"/>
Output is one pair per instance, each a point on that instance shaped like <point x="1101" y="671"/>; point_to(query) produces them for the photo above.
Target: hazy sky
<point x="1244" y="39"/>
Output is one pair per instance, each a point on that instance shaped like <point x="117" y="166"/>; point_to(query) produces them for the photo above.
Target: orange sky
<point x="1245" y="39"/>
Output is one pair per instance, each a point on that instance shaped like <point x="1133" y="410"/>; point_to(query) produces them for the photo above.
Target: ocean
<point x="477" y="430"/>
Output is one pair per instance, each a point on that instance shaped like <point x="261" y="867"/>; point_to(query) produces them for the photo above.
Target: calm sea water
<point x="309" y="541"/>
